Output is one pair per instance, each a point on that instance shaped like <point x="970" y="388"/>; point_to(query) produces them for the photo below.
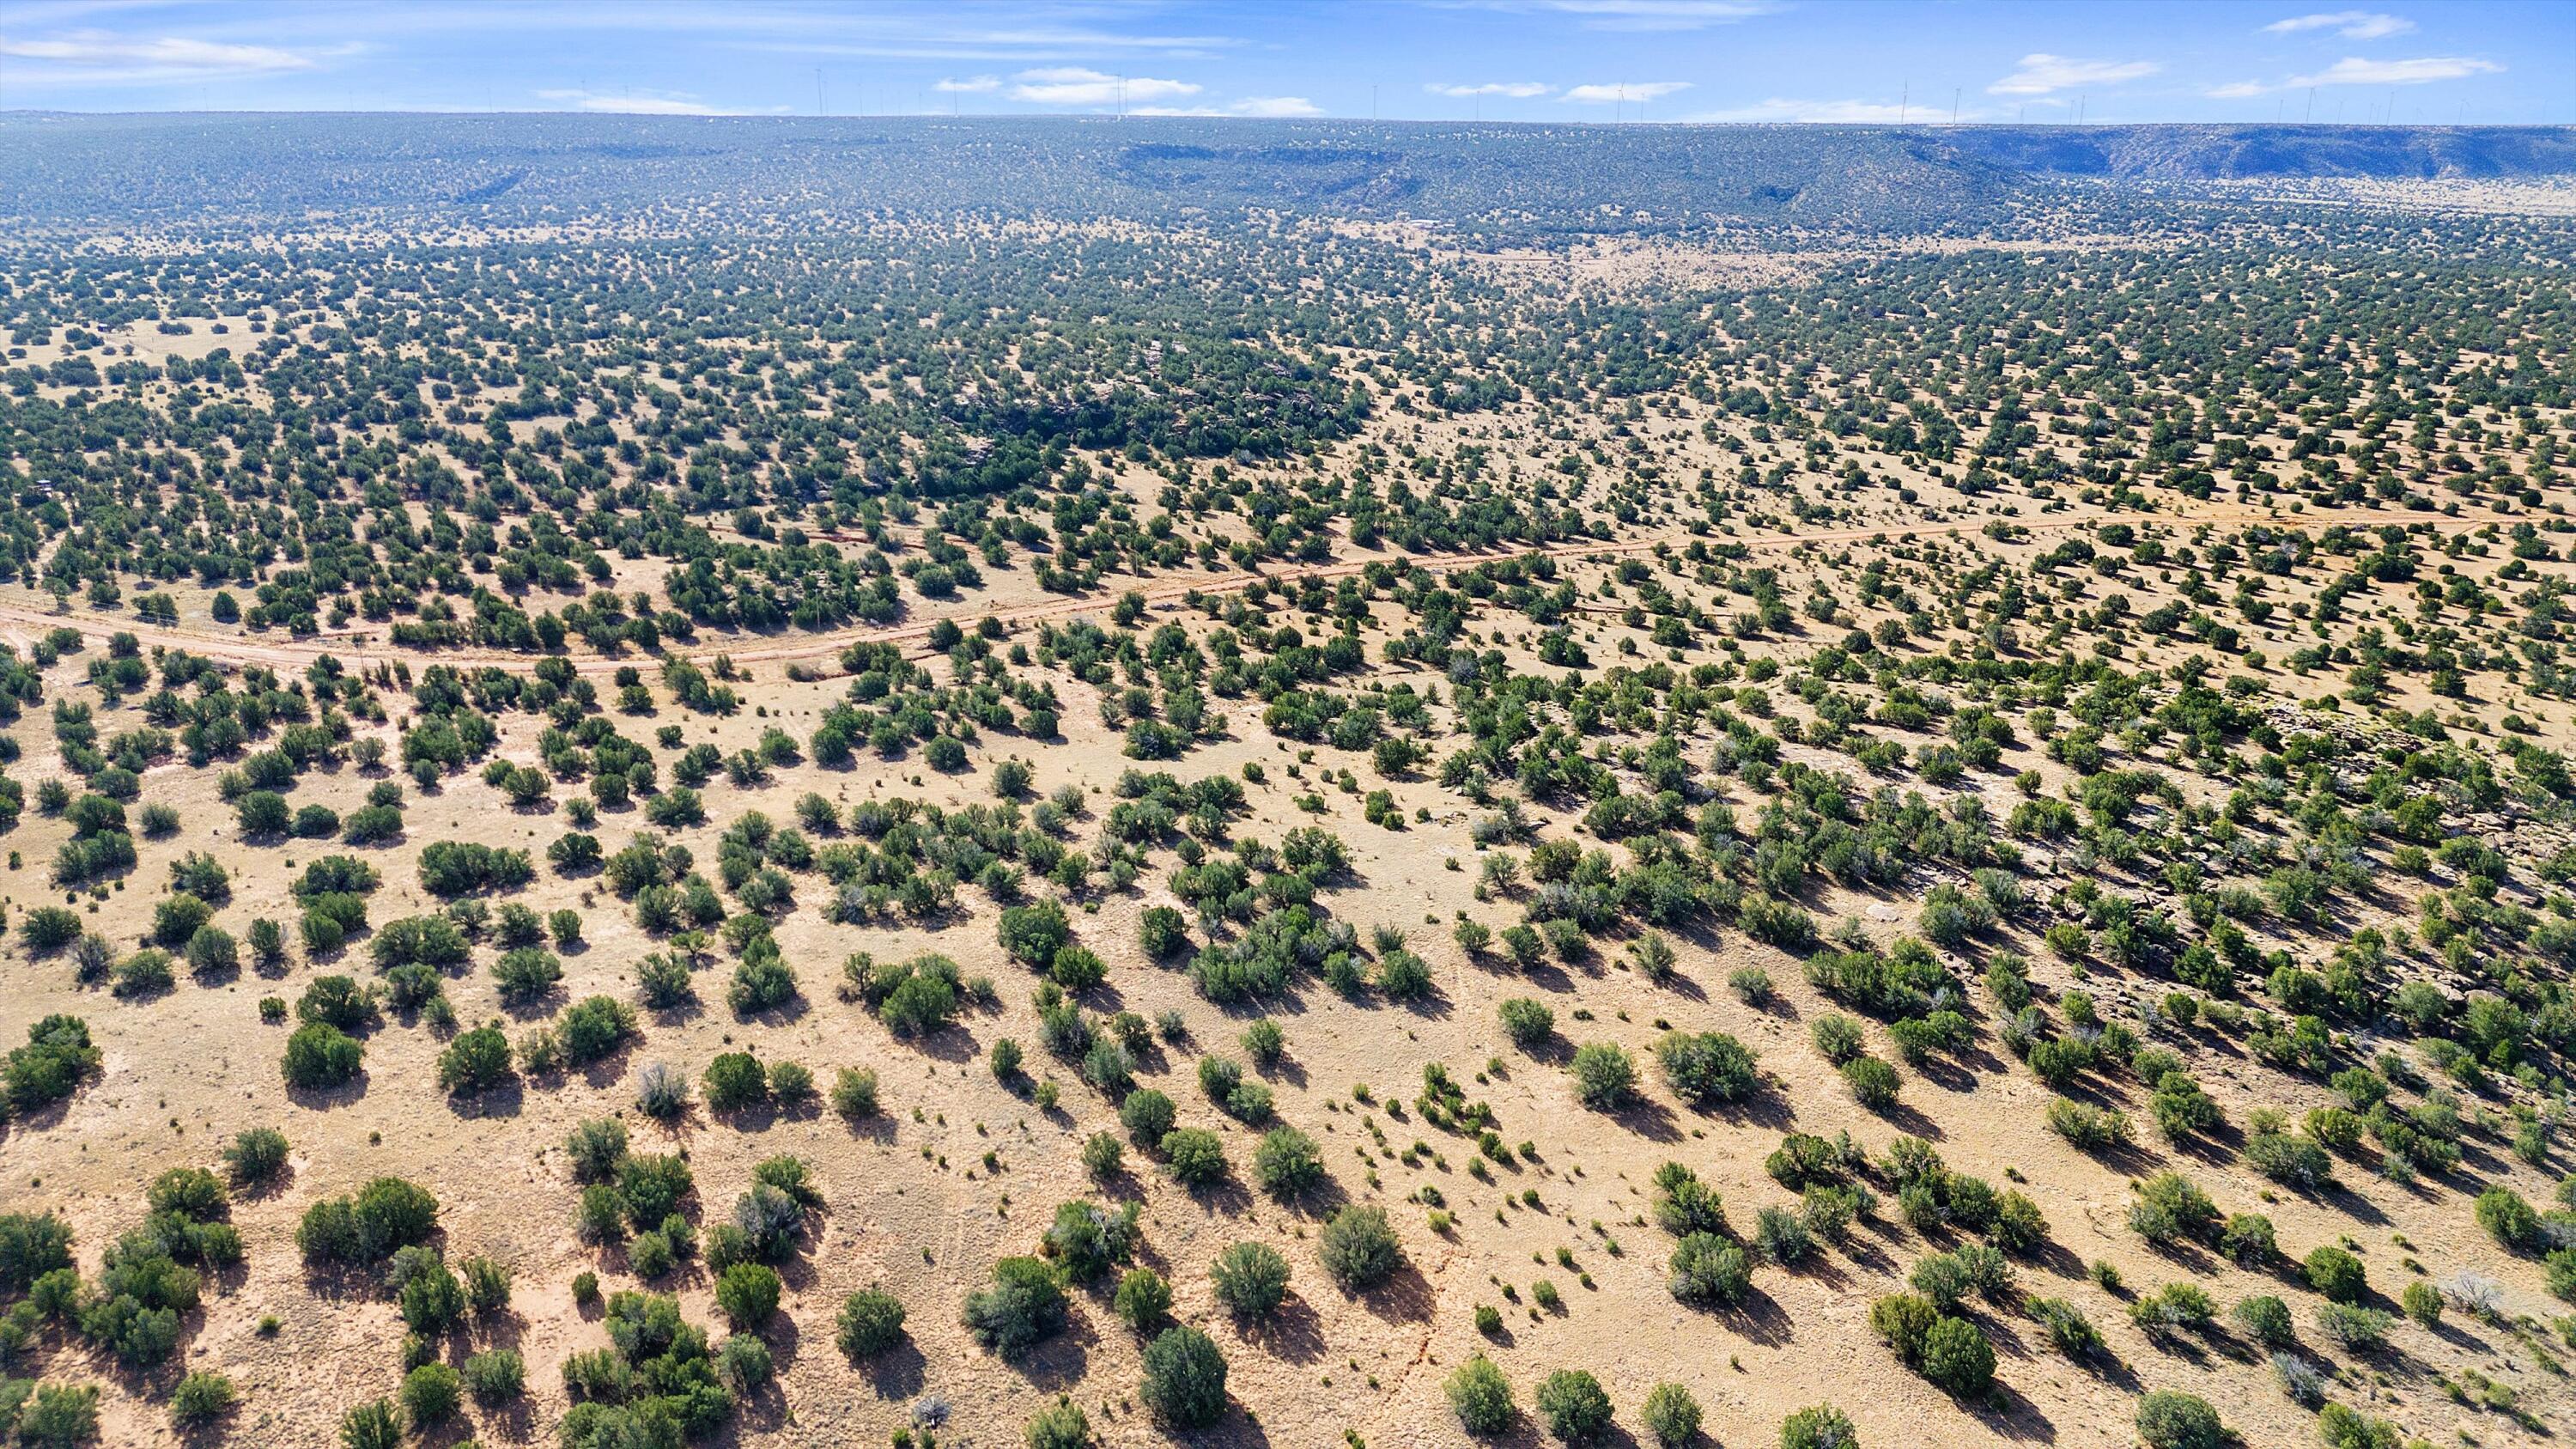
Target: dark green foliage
<point x="1481" y="1397"/>
<point x="58" y="1056"/>
<point x="871" y="1322"/>
<point x="2336" y="1274"/>
<point x="369" y="1225"/>
<point x="1024" y="1306"/>
<point x="1184" y="1379"/>
<point x="1250" y="1279"/>
<point x="1605" y="1076"/>
<point x="1359" y="1248"/>
<point x="1574" y="1405"/>
<point x="1287" y="1163"/>
<point x="1144" y="1300"/>
<point x="320" y="1056"/>
<point x="1708" y="1068"/>
<point x="2170" y="1420"/>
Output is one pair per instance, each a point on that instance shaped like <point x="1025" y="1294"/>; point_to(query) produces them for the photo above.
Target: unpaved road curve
<point x="23" y="618"/>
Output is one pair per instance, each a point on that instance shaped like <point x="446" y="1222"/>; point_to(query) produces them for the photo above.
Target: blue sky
<point x="1524" y="60"/>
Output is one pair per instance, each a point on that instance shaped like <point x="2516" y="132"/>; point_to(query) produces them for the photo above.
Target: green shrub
<point x="747" y="1295"/>
<point x="1061" y="1425"/>
<point x="59" y="1416"/>
<point x="1957" y="1357"/>
<point x="1672" y="1415"/>
<point x="1575" y="1407"/>
<point x="2170" y="1420"/>
<point x="2509" y="1219"/>
<point x="1526" y="1022"/>
<point x="1147" y="1115"/>
<point x="734" y="1082"/>
<point x="1184" y="1379"/>
<point x="2266" y="1320"/>
<point x="1287" y="1163"/>
<point x="1194" y="1156"/>
<point x="201" y="1398"/>
<point x="2336" y="1274"/>
<point x="1709" y="1270"/>
<point x="1144" y="1300"/>
<point x="1251" y="1279"/>
<point x="871" y="1322"/>
<point x="1820" y="1427"/>
<point x="854" y="1093"/>
<point x="1708" y="1068"/>
<point x="431" y="1395"/>
<point x="1480" y="1396"/>
<point x="1874" y="1084"/>
<point x="1605" y="1076"/>
<point x="1359" y="1248"/>
<point x="1024" y="1306"/>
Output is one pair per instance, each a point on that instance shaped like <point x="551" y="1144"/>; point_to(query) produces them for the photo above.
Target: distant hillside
<point x="2228" y="152"/>
<point x="86" y="171"/>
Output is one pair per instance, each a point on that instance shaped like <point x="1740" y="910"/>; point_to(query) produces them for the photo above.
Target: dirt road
<point x="25" y="616"/>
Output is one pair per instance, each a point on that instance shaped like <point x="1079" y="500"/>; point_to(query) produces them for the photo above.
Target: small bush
<point x="871" y="1322"/>
<point x="1576" y="1408"/>
<point x="1672" y="1415"/>
<point x="1250" y="1279"/>
<point x="2336" y="1274"/>
<point x="1359" y="1248"/>
<point x="1820" y="1427"/>
<point x="1480" y="1396"/>
<point x="1184" y="1379"/>
<point x="1144" y="1300"/>
<point x="2170" y="1420"/>
<point x="1605" y="1076"/>
<point x="1024" y="1306"/>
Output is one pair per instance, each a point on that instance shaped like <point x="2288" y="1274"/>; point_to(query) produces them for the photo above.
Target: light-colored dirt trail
<point x="23" y="619"/>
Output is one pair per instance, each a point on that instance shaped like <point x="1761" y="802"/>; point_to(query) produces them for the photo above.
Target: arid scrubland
<point x="844" y="826"/>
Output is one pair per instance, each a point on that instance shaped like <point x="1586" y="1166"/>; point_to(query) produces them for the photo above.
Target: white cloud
<point x="2041" y="74"/>
<point x="2352" y="71"/>
<point x="1075" y="86"/>
<point x="1518" y="90"/>
<point x="1614" y="94"/>
<point x="1658" y="14"/>
<point x="95" y="57"/>
<point x="650" y="103"/>
<point x="973" y="85"/>
<point x="1275" y="106"/>
<point x="2350" y="24"/>
<point x="1829" y="113"/>
<point x="2238" y="90"/>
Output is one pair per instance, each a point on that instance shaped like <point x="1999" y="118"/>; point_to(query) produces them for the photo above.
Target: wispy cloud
<point x="647" y="103"/>
<point x="2041" y="74"/>
<point x="973" y="85"/>
<point x="1518" y="90"/>
<point x="1076" y="86"/>
<point x="1275" y="106"/>
<point x="1657" y="14"/>
<point x="1629" y="91"/>
<point x="1828" y="113"/>
<point x="2350" y="24"/>
<point x="2354" y="71"/>
<point x="96" y="57"/>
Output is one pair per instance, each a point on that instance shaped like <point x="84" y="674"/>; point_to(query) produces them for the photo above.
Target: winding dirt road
<point x="25" y="616"/>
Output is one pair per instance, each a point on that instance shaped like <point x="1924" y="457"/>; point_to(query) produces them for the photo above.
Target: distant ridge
<point x="2209" y="153"/>
<point x="683" y="173"/>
